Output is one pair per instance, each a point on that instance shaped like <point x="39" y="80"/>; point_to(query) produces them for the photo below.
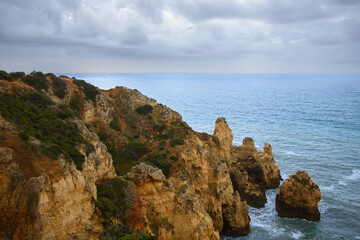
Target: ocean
<point x="311" y="121"/>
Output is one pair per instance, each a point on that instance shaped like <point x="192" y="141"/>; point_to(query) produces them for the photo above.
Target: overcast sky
<point x="199" y="36"/>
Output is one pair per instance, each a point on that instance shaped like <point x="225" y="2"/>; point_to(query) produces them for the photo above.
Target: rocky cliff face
<point x="191" y="186"/>
<point x="298" y="198"/>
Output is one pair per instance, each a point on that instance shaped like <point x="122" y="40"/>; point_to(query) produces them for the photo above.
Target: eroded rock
<point x="298" y="198"/>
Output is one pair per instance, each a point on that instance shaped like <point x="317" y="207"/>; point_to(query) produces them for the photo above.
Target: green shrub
<point x="5" y="76"/>
<point x="159" y="127"/>
<point x="17" y="75"/>
<point x="111" y="198"/>
<point x="32" y="116"/>
<point x="89" y="90"/>
<point x="37" y="80"/>
<point x="74" y="103"/>
<point x="177" y="141"/>
<point x="161" y="162"/>
<point x="134" y="150"/>
<point x="145" y="109"/>
<point x="64" y="112"/>
<point x="114" y="124"/>
<point x="58" y="84"/>
<point x="111" y="195"/>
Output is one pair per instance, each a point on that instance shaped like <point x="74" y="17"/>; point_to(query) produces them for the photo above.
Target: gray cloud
<point x="228" y="36"/>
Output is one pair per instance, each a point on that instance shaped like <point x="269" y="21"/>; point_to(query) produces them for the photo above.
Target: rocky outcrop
<point x="298" y="198"/>
<point x="251" y="171"/>
<point x="200" y="188"/>
<point x="42" y="198"/>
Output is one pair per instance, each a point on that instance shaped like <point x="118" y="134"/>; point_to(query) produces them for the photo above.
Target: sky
<point x="198" y="36"/>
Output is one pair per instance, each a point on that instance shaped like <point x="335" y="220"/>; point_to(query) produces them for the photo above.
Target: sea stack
<point x="298" y="198"/>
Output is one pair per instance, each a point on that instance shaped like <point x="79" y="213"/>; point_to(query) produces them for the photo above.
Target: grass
<point x="35" y="115"/>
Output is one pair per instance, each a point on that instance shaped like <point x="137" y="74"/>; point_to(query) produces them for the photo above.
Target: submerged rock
<point x="298" y="198"/>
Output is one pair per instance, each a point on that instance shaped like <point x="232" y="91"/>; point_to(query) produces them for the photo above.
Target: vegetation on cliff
<point x="89" y="90"/>
<point x="182" y="181"/>
<point x="111" y="200"/>
<point x="36" y="115"/>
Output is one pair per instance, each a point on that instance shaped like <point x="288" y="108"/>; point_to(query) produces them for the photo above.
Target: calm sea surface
<point x="311" y="121"/>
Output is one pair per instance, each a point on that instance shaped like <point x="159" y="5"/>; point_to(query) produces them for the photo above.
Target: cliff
<point x="79" y="162"/>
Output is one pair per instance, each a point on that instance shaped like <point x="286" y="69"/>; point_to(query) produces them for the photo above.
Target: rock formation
<point x="298" y="198"/>
<point x="183" y="184"/>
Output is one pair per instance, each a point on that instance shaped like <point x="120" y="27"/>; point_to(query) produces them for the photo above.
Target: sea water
<point x="311" y="121"/>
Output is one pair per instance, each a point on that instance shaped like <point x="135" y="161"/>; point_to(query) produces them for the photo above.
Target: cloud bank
<point x="235" y="36"/>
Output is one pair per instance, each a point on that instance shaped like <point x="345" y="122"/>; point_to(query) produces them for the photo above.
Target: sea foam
<point x="355" y="175"/>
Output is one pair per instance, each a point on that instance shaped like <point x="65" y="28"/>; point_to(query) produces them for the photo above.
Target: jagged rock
<point x="236" y="218"/>
<point x="298" y="198"/>
<point x="144" y="173"/>
<point x="252" y="172"/>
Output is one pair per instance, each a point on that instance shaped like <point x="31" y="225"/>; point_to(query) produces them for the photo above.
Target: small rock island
<point x="298" y="198"/>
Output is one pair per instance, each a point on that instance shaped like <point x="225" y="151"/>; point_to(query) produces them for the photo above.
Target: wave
<point x="267" y="226"/>
<point x="354" y="176"/>
<point x="323" y="207"/>
<point x="327" y="188"/>
<point x="297" y="235"/>
<point x="343" y="183"/>
<point x="292" y="153"/>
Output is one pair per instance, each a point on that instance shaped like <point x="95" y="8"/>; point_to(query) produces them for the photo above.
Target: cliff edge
<point x="80" y="162"/>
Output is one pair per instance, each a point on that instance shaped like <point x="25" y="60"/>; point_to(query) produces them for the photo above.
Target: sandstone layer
<point x="298" y="198"/>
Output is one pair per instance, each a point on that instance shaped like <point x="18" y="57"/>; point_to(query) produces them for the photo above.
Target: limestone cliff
<point x="298" y="197"/>
<point x="181" y="184"/>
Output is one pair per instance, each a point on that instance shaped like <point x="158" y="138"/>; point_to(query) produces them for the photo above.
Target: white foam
<point x="327" y="188"/>
<point x="342" y="183"/>
<point x="297" y="235"/>
<point x="357" y="237"/>
<point x="292" y="153"/>
<point x="355" y="175"/>
<point x="323" y="207"/>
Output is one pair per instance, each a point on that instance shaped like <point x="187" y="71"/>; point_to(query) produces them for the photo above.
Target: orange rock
<point x="298" y="198"/>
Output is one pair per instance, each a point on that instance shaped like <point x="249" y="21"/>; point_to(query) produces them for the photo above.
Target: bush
<point x="5" y="76"/>
<point x="74" y="103"/>
<point x="111" y="198"/>
<point x="37" y="80"/>
<point x="58" y="84"/>
<point x="32" y="116"/>
<point x="159" y="127"/>
<point x="89" y="90"/>
<point x="134" y="151"/>
<point x="161" y="162"/>
<point x="177" y="141"/>
<point x="64" y="112"/>
<point x="111" y="195"/>
<point x="145" y="109"/>
<point x="17" y="75"/>
<point x="114" y="124"/>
